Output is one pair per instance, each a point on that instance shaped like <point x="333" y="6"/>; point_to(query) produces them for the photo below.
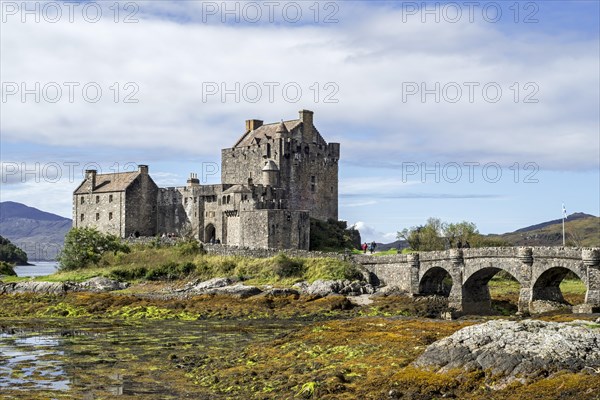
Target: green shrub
<point x="85" y="246"/>
<point x="170" y="271"/>
<point x="128" y="274"/>
<point x="10" y="253"/>
<point x="7" y="269"/>
<point x="285" y="267"/>
<point x="333" y="235"/>
<point x="188" y="248"/>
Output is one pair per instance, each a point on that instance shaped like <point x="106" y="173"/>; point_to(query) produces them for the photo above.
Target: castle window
<point x="97" y="216"/>
<point x="268" y="150"/>
<point x="195" y="200"/>
<point x="185" y="201"/>
<point x="228" y="199"/>
<point x="110" y="198"/>
<point x="81" y="217"/>
<point x="110" y="215"/>
<point x="313" y="180"/>
<point x="82" y="199"/>
<point x="97" y="199"/>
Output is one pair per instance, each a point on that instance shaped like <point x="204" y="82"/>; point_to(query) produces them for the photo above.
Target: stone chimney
<point x="193" y="180"/>
<point x="90" y="176"/>
<point x="252" y="124"/>
<point x="143" y="169"/>
<point x="306" y="117"/>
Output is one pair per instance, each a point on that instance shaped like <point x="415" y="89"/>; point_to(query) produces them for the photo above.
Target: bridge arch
<point x="436" y="281"/>
<point x="546" y="281"/>
<point x="476" y="296"/>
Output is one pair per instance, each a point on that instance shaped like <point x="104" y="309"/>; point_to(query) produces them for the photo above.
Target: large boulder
<point x="510" y="350"/>
<point x="101" y="284"/>
<point x="239" y="290"/>
<point x="97" y="284"/>
<point x="322" y="288"/>
<point x="211" y="284"/>
<point x="37" y="287"/>
<point x="280" y="292"/>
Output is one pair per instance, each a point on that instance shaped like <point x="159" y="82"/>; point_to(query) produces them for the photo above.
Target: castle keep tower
<point x="274" y="179"/>
<point x="308" y="165"/>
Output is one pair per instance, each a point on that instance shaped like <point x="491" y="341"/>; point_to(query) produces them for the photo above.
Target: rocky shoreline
<point x="508" y="351"/>
<point x="215" y="286"/>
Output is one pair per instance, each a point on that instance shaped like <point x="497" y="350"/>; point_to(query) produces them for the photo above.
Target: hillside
<point x="572" y="217"/>
<point x="40" y="234"/>
<point x="582" y="230"/>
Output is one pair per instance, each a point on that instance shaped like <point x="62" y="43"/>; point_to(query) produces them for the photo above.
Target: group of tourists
<point x="169" y="235"/>
<point x="370" y="247"/>
<point x="460" y="245"/>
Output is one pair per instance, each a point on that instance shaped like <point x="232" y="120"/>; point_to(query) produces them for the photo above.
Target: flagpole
<point x="564" y="215"/>
<point x="563" y="231"/>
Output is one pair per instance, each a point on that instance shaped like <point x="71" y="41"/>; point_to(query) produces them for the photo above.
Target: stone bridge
<point x="539" y="271"/>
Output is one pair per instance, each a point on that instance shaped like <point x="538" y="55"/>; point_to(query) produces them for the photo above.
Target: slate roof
<point x="111" y="182"/>
<point x="237" y="189"/>
<point x="266" y="131"/>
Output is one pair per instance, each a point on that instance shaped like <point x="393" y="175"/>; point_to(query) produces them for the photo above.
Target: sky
<point x="479" y="111"/>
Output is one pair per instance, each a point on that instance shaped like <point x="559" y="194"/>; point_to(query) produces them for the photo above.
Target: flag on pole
<point x="564" y="211"/>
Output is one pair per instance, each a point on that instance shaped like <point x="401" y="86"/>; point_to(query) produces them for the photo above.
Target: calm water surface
<point x="40" y="268"/>
<point x="103" y="359"/>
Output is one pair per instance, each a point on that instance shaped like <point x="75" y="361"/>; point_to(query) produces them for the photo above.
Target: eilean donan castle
<point x="274" y="179"/>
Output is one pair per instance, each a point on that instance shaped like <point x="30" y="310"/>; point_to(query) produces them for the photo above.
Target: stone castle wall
<point x="141" y="207"/>
<point x="104" y="211"/>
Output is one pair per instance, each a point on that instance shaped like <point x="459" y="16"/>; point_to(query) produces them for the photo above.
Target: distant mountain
<point x="40" y="234"/>
<point x="582" y="230"/>
<point x="572" y="217"/>
<point x="398" y="244"/>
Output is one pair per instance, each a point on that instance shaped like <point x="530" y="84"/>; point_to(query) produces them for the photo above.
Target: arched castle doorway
<point x="210" y="234"/>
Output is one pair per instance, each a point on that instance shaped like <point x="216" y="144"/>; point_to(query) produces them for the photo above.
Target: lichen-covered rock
<point x="239" y="290"/>
<point x="322" y="288"/>
<point x="97" y="284"/>
<point x="211" y="284"/>
<point x="37" y="287"/>
<point x="543" y="306"/>
<point x="511" y="350"/>
<point x="102" y="284"/>
<point x="280" y="292"/>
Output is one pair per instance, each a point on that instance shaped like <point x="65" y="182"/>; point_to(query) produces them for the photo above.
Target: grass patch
<point x="150" y="263"/>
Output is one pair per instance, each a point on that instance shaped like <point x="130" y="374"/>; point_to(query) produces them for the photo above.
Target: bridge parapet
<point x="389" y="259"/>
<point x="488" y="252"/>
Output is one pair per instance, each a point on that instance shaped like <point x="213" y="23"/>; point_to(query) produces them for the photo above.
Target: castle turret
<point x="270" y="174"/>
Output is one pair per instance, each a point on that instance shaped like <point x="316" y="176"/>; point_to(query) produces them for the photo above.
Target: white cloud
<point x="369" y="233"/>
<point x="368" y="58"/>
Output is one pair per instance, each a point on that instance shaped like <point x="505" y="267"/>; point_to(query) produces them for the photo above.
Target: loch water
<point x="141" y="359"/>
